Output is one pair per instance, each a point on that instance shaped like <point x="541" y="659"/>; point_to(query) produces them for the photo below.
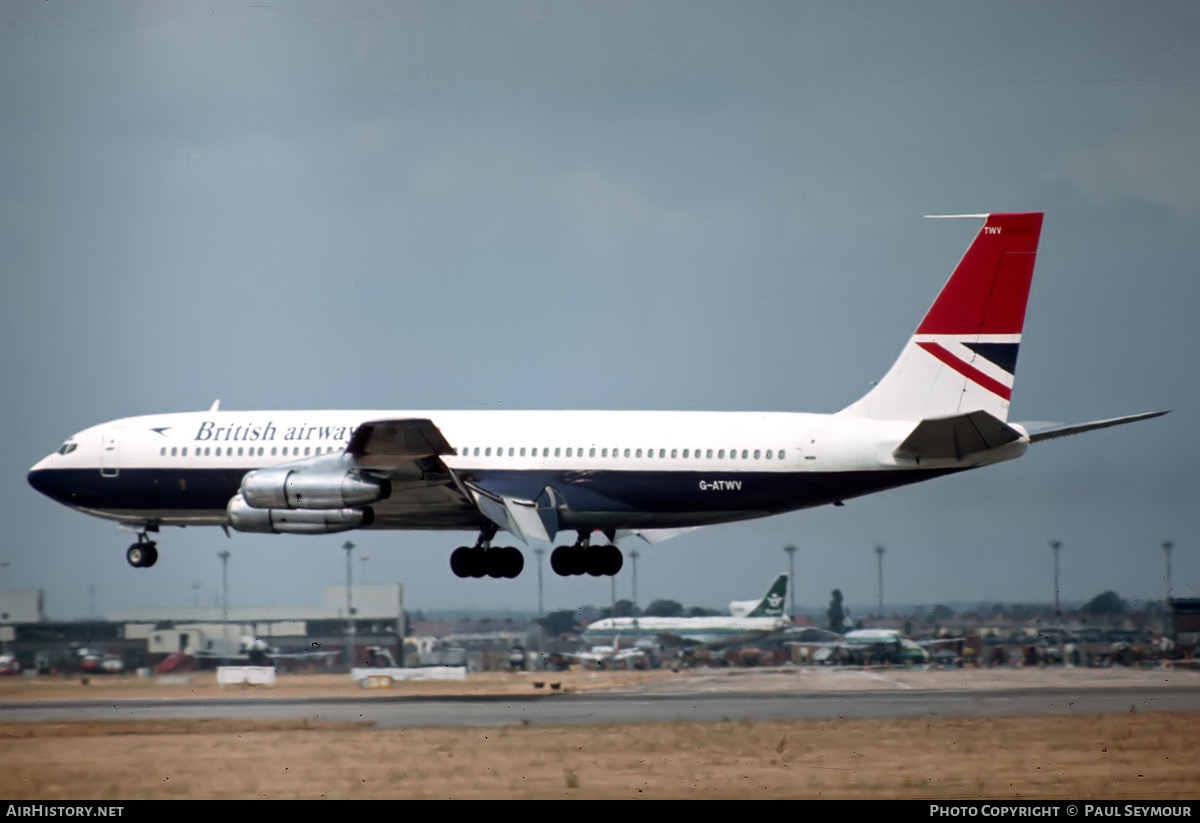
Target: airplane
<point x="941" y="409"/>
<point x="881" y="644"/>
<point x="608" y="656"/>
<point x="748" y="620"/>
<point x="258" y="652"/>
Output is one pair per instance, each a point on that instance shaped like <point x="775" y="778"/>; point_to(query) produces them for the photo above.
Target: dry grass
<point x="1129" y="756"/>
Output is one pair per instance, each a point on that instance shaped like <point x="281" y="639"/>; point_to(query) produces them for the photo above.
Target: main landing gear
<point x="584" y="558"/>
<point x="143" y="554"/>
<point x="485" y="559"/>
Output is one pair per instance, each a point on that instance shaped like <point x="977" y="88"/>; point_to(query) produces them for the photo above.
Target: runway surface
<point x="707" y="698"/>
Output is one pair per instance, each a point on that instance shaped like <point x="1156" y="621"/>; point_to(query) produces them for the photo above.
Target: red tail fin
<point x="989" y="288"/>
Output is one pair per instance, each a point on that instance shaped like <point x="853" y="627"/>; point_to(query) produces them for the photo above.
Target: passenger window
<point x="756" y="454"/>
<point x="592" y="452"/>
<point x="769" y="454"/>
<point x="488" y="453"/>
<point x="604" y="452"/>
<point x="477" y="451"/>
<point x="522" y="451"/>
<point x="626" y="452"/>
<point x="163" y="453"/>
<point x="720" y="454"/>
<point x="558" y="450"/>
<point x="781" y="454"/>
<point x="709" y="454"/>
<point x="685" y="454"/>
<point x="745" y="454"/>
<point x="272" y="451"/>
<point x="510" y="451"/>
<point x="663" y="452"/>
<point x="673" y="453"/>
<point x="305" y="452"/>
<point x="173" y="450"/>
<point x="639" y="452"/>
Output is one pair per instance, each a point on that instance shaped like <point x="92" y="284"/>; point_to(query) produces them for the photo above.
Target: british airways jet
<point x="941" y="409"/>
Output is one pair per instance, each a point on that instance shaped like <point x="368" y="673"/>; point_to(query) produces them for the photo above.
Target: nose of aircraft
<point x="41" y="478"/>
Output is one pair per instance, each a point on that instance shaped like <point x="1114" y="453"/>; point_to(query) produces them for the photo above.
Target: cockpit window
<point x="68" y="447"/>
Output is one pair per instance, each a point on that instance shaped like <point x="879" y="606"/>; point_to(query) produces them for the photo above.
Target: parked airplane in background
<point x="941" y="409"/>
<point x="609" y="656"/>
<point x="756" y="619"/>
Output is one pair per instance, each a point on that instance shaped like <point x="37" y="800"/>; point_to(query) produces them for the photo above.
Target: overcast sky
<point x="642" y="205"/>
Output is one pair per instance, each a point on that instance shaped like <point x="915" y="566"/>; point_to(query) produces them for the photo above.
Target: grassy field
<point x="1149" y="756"/>
<point x="1130" y="756"/>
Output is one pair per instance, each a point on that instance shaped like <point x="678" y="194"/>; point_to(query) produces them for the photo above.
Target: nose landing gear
<point x="143" y="554"/>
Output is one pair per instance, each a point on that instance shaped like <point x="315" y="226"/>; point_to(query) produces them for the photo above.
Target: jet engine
<point x="247" y="518"/>
<point x="280" y="487"/>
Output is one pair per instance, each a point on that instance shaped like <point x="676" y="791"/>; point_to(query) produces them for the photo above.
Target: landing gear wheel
<point x="516" y="563"/>
<point x="476" y="561"/>
<point x="611" y="560"/>
<point x="142" y="555"/>
<point x="569" y="560"/>
<point x="460" y="561"/>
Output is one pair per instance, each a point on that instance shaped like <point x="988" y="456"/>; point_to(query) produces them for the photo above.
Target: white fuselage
<point x="618" y="469"/>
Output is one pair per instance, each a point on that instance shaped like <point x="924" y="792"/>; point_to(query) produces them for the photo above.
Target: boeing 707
<point x="941" y="409"/>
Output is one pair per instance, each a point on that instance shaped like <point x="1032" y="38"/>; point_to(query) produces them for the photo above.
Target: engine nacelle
<point x="286" y="488"/>
<point x="247" y="518"/>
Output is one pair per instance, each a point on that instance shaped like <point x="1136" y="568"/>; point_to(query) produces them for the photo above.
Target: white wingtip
<point x="216" y="406"/>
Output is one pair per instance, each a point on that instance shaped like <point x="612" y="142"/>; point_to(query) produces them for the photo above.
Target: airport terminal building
<point x="305" y="637"/>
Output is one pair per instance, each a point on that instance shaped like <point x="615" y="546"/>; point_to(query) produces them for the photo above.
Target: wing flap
<point x="524" y="519"/>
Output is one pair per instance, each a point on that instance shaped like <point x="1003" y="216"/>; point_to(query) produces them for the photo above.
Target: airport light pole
<point x="1056" y="545"/>
<point x="224" y="555"/>
<point x="349" y="547"/>
<point x="1166" y="547"/>
<point x="633" y="556"/>
<point x="791" y="553"/>
<point x="224" y="585"/>
<point x="879" y="555"/>
<point x="539" y="553"/>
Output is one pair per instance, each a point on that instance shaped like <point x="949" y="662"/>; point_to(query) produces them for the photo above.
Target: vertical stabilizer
<point x="770" y="605"/>
<point x="963" y="355"/>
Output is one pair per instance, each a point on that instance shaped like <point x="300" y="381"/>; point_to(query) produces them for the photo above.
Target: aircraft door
<point x="110" y="452"/>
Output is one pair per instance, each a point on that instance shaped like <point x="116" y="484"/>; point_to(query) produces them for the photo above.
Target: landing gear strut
<point x="485" y="559"/>
<point x="143" y="554"/>
<point x="584" y="558"/>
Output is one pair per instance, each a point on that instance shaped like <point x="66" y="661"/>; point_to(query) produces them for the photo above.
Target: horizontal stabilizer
<point x="1048" y="431"/>
<point x="653" y="536"/>
<point x="953" y="438"/>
